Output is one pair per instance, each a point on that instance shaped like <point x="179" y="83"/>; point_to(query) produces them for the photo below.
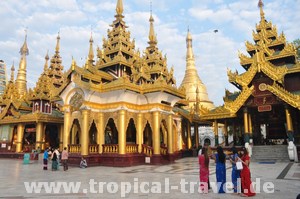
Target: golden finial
<point x="73" y="64"/>
<point x="46" y="61"/>
<point x="261" y="5"/>
<point x="152" y="36"/>
<point x="57" y="43"/>
<point x="119" y="8"/>
<point x="91" y="53"/>
<point x="24" y="49"/>
<point x="12" y="74"/>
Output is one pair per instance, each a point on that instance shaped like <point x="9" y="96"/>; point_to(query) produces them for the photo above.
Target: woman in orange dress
<point x="247" y="188"/>
<point x="204" y="171"/>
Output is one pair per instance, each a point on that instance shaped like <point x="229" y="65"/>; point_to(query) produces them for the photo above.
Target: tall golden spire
<point x="261" y="5"/>
<point x="189" y="53"/>
<point x="152" y="36"/>
<point x="12" y="73"/>
<point x="91" y="51"/>
<point x="21" y="82"/>
<point x="46" y="62"/>
<point x="119" y="8"/>
<point x="57" y="44"/>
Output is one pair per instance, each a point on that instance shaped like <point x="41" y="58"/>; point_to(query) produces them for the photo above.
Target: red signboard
<point x="264" y="108"/>
<point x="30" y="130"/>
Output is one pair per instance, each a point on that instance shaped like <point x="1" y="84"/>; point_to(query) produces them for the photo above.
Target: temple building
<point x="266" y="109"/>
<point x="120" y="108"/>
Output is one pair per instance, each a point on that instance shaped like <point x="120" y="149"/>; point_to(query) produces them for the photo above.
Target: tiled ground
<point x="13" y="174"/>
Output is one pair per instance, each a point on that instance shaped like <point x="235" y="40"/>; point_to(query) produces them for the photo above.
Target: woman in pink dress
<point x="204" y="171"/>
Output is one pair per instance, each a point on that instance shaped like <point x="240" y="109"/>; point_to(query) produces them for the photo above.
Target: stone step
<point x="270" y="153"/>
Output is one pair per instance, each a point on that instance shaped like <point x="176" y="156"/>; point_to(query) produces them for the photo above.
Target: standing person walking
<point x="235" y="174"/>
<point x="220" y="158"/>
<point x="45" y="160"/>
<point x="64" y="158"/>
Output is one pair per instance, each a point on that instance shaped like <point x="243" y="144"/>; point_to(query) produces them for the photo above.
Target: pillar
<point x="61" y="136"/>
<point x="289" y="124"/>
<point x="179" y="133"/>
<point x="139" y="132"/>
<point x="189" y="136"/>
<point x="216" y="133"/>
<point x="20" y="134"/>
<point x="250" y="126"/>
<point x="84" y="136"/>
<point x="66" y="135"/>
<point x="226" y="133"/>
<point x="156" y="133"/>
<point x="170" y="134"/>
<point x="122" y="132"/>
<point x="196" y="130"/>
<point x="39" y="135"/>
<point x="246" y="126"/>
<point x="100" y="132"/>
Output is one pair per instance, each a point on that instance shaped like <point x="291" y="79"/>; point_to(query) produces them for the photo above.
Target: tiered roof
<point x="270" y="56"/>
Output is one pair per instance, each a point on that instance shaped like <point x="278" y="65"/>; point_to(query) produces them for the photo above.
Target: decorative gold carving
<point x="293" y="100"/>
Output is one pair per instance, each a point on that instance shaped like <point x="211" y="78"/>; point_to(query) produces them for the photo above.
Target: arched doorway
<point x="131" y="132"/>
<point x="51" y="136"/>
<point x="111" y="133"/>
<point x="93" y="134"/>
<point x="147" y="135"/>
<point x="75" y="132"/>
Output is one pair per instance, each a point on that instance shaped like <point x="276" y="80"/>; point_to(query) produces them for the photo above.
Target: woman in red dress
<point x="247" y="188"/>
<point x="204" y="171"/>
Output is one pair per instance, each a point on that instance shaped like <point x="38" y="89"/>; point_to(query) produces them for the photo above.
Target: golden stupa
<point x="195" y="90"/>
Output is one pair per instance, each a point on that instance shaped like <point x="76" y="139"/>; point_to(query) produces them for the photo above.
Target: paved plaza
<point x="145" y="181"/>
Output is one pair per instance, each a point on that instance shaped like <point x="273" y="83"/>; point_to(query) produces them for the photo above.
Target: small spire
<point x="12" y="74"/>
<point x="24" y="49"/>
<point x="189" y="46"/>
<point x="91" y="53"/>
<point x="119" y="8"/>
<point x="46" y="62"/>
<point x="152" y="36"/>
<point x="57" y="43"/>
<point x="261" y="5"/>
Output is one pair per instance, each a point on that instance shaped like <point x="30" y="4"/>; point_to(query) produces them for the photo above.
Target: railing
<point x="132" y="148"/>
<point x="74" y="148"/>
<point x="147" y="150"/>
<point x="93" y="148"/>
<point x="110" y="148"/>
<point x="163" y="150"/>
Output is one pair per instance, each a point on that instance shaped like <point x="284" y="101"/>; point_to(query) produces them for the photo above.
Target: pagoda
<point x="29" y="118"/>
<point x="269" y="91"/>
<point x="118" y="106"/>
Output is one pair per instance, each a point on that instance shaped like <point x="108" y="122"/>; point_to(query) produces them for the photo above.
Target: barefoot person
<point x="204" y="170"/>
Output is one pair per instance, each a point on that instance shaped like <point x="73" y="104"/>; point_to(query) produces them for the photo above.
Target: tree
<point x="296" y="43"/>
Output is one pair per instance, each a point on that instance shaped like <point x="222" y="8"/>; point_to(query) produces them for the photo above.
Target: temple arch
<point x="111" y="132"/>
<point x="131" y="132"/>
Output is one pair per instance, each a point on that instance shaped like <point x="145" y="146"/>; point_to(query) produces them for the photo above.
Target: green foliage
<point x="297" y="45"/>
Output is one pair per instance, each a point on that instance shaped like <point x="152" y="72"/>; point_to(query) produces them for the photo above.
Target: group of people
<point x="242" y="173"/>
<point x="55" y="156"/>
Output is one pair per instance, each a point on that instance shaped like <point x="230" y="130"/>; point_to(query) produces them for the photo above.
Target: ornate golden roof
<point x="44" y="86"/>
<point x="267" y="48"/>
<point x="120" y="66"/>
<point x="56" y="68"/>
<point x="194" y="87"/>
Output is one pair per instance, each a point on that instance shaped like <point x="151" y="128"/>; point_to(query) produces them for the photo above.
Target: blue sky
<point x="76" y="19"/>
